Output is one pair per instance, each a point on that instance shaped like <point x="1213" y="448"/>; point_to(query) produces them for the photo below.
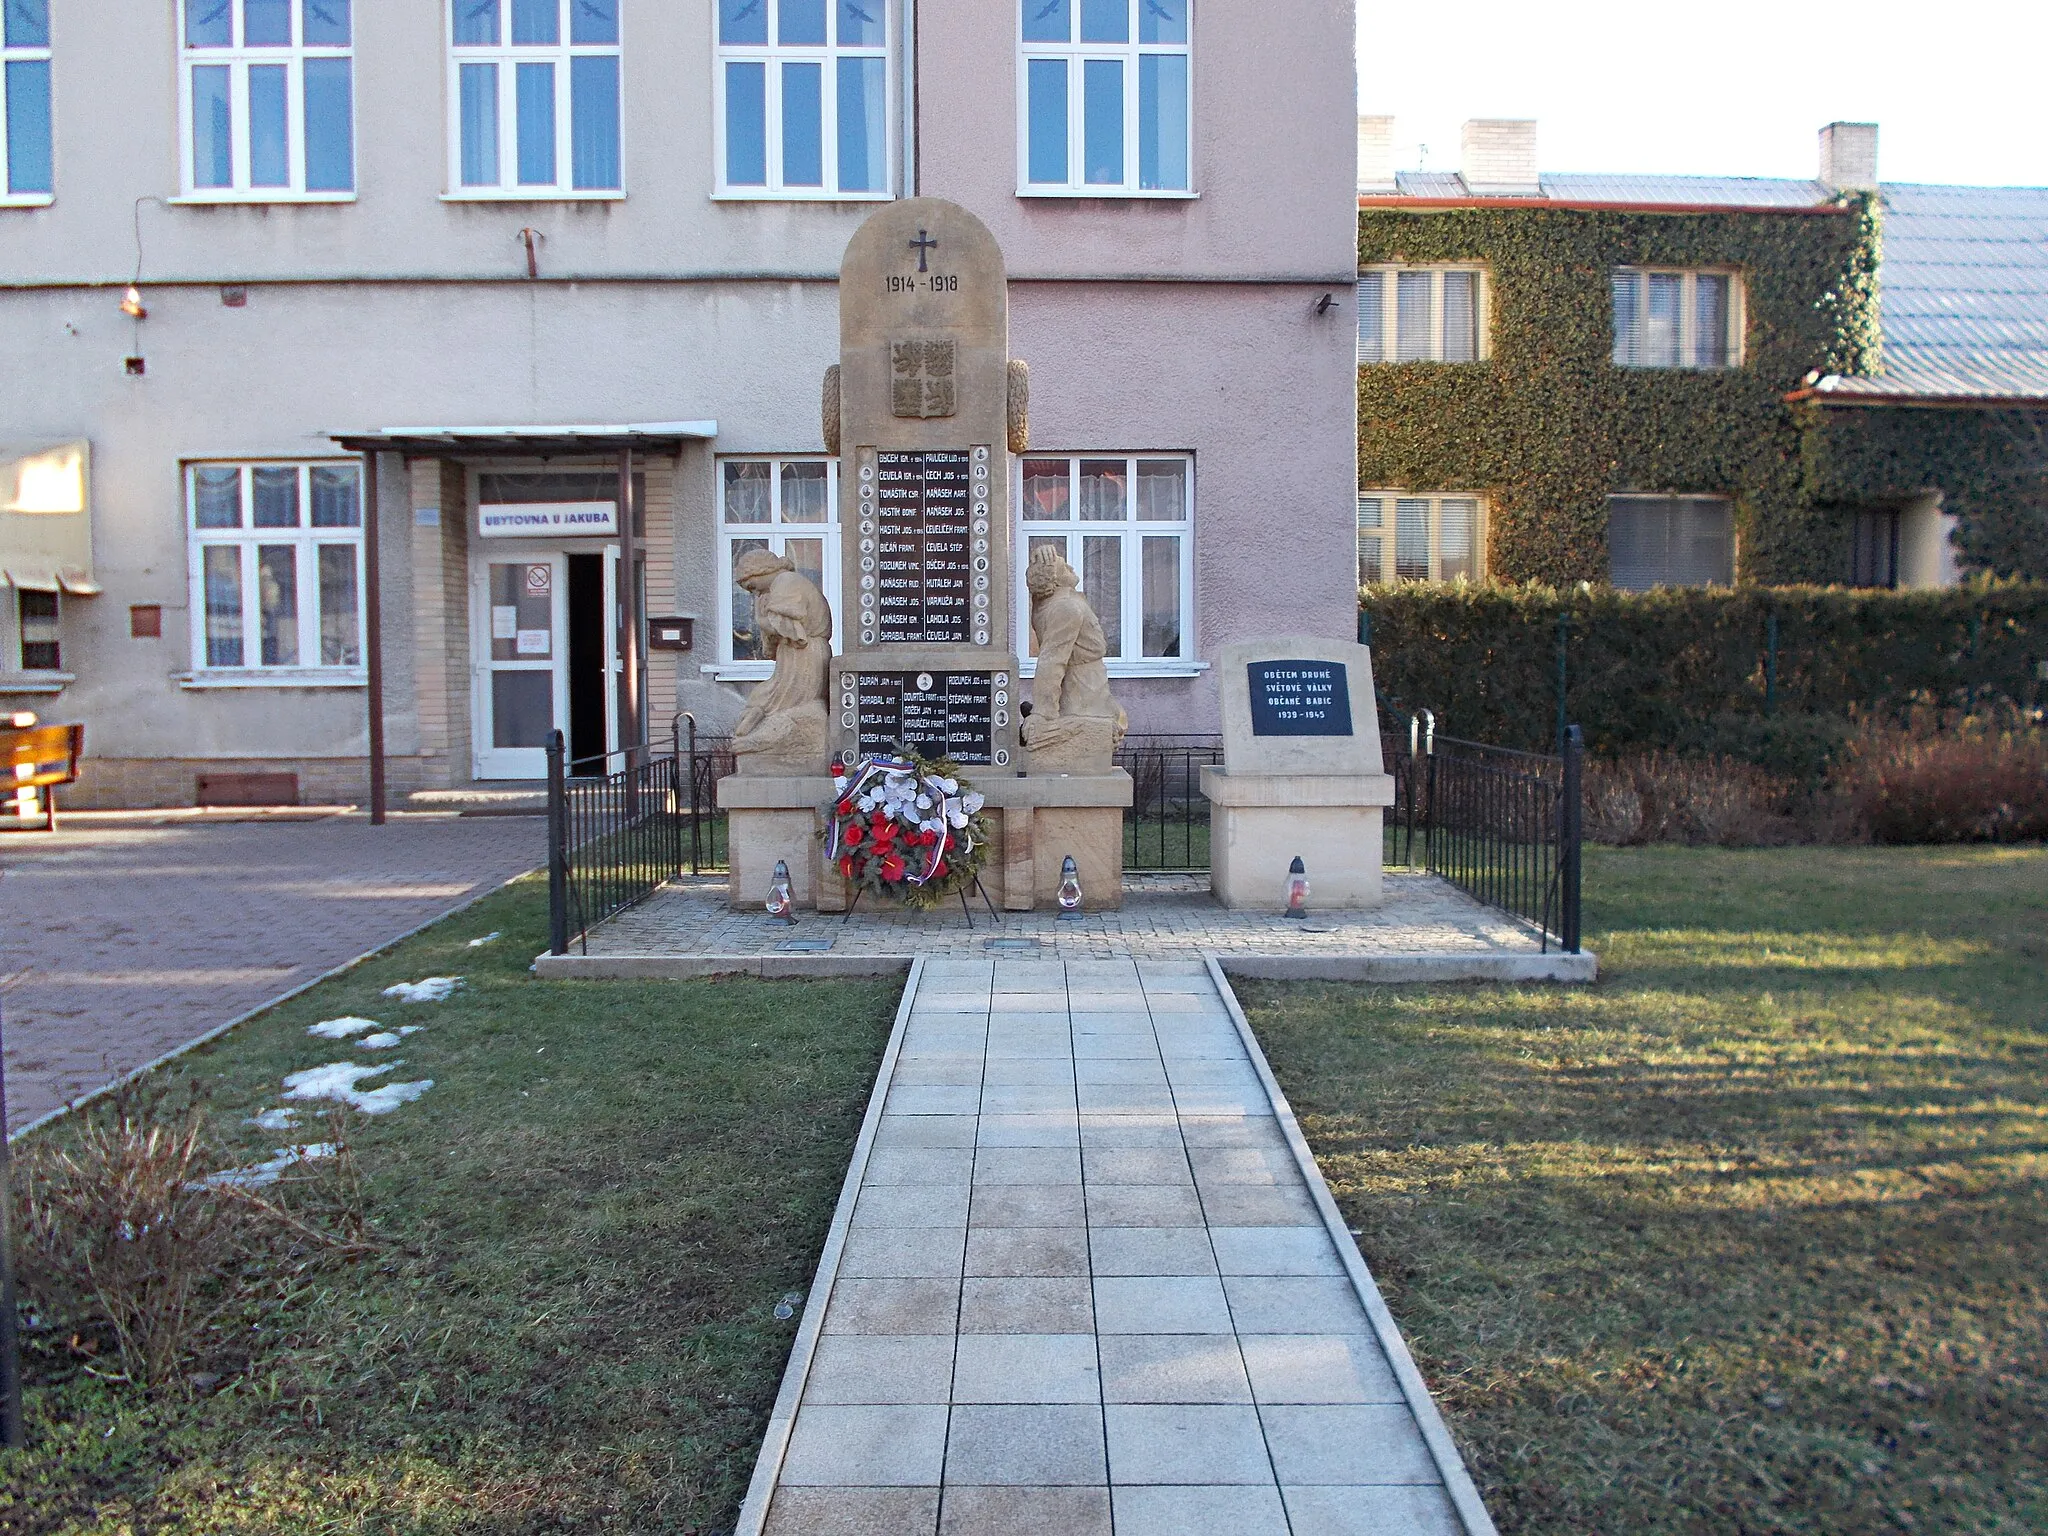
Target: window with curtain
<point x="26" y="154"/>
<point x="1670" y="541"/>
<point x="533" y="98"/>
<point x="789" y="506"/>
<point x="276" y="568"/>
<point x="803" y="106"/>
<point x="1676" y="319"/>
<point x="1405" y="536"/>
<point x="1125" y="523"/>
<point x="266" y="89"/>
<point x="1420" y="314"/>
<point x="1874" y="547"/>
<point x="1104" y="104"/>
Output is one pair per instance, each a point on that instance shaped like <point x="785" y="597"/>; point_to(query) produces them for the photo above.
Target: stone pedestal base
<point x="1260" y="823"/>
<point x="1038" y="820"/>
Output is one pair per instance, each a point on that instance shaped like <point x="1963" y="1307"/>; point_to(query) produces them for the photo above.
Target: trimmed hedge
<point x="1687" y="669"/>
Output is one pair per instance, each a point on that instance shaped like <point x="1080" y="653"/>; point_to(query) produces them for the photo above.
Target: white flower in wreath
<point x="946" y="786"/>
<point x="972" y="801"/>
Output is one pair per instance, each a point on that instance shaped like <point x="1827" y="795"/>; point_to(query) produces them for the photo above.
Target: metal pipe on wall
<point x="629" y="612"/>
<point x="373" y="637"/>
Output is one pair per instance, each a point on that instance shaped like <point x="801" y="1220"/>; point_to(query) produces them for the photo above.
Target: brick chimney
<point x="1848" y="157"/>
<point x="1375" y="154"/>
<point x="1500" y="157"/>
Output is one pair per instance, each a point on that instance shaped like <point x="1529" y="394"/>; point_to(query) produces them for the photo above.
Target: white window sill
<point x="260" y="198"/>
<point x="1110" y="194"/>
<point x="797" y="195"/>
<point x="1027" y="666"/>
<point x="27" y="199"/>
<point x="533" y="195"/>
<point x="276" y="677"/>
<point x="737" y="671"/>
<point x="35" y="682"/>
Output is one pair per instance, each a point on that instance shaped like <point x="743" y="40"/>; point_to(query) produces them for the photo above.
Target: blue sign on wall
<point x="1300" y="698"/>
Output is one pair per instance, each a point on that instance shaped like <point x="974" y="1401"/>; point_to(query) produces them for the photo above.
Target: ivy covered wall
<point x="1547" y="427"/>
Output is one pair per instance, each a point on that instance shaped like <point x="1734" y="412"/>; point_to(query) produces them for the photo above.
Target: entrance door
<point x="522" y="684"/>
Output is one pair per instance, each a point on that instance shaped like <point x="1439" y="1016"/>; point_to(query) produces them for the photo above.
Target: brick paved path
<point x="1086" y="1280"/>
<point x="138" y="939"/>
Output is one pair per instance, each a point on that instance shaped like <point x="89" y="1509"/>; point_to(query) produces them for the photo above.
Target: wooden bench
<point x="41" y="757"/>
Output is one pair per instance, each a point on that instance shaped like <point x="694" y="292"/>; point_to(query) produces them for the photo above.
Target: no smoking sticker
<point x="540" y="578"/>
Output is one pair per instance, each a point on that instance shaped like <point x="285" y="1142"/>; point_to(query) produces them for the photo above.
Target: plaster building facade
<point x="482" y="272"/>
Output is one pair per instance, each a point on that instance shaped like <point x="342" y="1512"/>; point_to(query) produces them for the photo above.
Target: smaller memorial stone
<point x="1300" y="706"/>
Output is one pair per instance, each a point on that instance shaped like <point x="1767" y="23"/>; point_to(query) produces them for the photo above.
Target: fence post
<point x="1429" y="814"/>
<point x="696" y="848"/>
<point x="1771" y="663"/>
<point x="1414" y="768"/>
<point x="1564" y="629"/>
<point x="558" y="847"/>
<point x="1568" y="833"/>
<point x="1365" y="627"/>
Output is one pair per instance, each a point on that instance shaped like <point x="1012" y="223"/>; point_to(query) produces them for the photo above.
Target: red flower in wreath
<point x="846" y="866"/>
<point x="853" y="834"/>
<point x="845" y="807"/>
<point x="927" y="837"/>
<point x="940" y="872"/>
<point x="892" y="868"/>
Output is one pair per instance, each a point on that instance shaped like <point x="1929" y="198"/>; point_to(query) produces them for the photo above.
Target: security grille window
<point x="1420" y="315"/>
<point x="1104" y="108"/>
<point x="276" y="568"/>
<point x="803" y="106"/>
<point x="1670" y="541"/>
<point x="25" y="177"/>
<point x="1676" y="319"/>
<point x="789" y="507"/>
<point x="37" y="612"/>
<point x="1419" y="538"/>
<point x="533" y="93"/>
<point x="1126" y="526"/>
<point x="1874" y="553"/>
<point x="266" y="90"/>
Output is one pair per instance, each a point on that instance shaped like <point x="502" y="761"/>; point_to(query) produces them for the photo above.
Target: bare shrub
<point x="123" y="1236"/>
<point x="1660" y="797"/>
<point x="1948" y="781"/>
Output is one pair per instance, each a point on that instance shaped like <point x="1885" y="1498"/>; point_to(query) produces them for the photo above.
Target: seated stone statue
<point x="784" y="727"/>
<point x="1074" y="725"/>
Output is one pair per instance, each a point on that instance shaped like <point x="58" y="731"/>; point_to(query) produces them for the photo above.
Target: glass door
<point x="522" y="687"/>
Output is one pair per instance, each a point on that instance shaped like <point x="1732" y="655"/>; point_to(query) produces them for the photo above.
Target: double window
<point x="1676" y="319"/>
<point x="25" y="168"/>
<point x="276" y="567"/>
<point x="533" y="91"/>
<point x="803" y="108"/>
<point x="789" y="507"/>
<point x="1670" y="541"/>
<point x="1125" y="525"/>
<point x="1104" y="106"/>
<point x="1421" y="314"/>
<point x="1404" y="537"/>
<point x="267" y="94"/>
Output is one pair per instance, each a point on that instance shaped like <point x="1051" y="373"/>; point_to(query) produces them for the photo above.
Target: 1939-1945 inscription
<point x="1300" y="698"/>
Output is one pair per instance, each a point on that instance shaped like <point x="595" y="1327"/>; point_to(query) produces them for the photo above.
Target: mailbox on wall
<point x="671" y="634"/>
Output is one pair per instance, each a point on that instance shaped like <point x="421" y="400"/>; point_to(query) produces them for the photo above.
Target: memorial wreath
<point x="906" y="827"/>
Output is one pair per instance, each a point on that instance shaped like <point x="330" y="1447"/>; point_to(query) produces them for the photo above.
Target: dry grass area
<point x="1751" y="1237"/>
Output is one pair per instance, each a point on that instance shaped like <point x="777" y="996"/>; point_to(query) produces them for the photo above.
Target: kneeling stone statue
<point x="784" y="727"/>
<point x="1074" y="725"/>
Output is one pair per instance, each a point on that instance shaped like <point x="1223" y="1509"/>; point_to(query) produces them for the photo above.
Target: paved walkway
<point x="137" y="939"/>
<point x="1086" y="1284"/>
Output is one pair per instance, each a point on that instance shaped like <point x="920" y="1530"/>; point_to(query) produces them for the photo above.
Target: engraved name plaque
<point x="934" y="714"/>
<point x="923" y="535"/>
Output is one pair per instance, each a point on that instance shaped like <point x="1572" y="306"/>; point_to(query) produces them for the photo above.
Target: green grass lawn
<point x="1749" y="1237"/>
<point x="590" y="1220"/>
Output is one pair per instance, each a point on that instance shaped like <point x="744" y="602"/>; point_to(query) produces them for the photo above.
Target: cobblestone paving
<point x="1086" y="1287"/>
<point x="1161" y="918"/>
<point x="132" y="939"/>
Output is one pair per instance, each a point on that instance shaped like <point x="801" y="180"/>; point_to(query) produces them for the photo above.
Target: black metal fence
<point x="1166" y="830"/>
<point x="1501" y="825"/>
<point x="614" y="836"/>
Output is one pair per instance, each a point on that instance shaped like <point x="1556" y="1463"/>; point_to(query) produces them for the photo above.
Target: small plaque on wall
<point x="1299" y="698"/>
<point x="671" y="634"/>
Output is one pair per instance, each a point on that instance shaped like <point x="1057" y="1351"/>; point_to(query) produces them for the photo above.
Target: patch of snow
<point x="480" y="943"/>
<point x="267" y="1172"/>
<point x="341" y="1029"/>
<point x="434" y="989"/>
<point x="337" y="1080"/>
<point x="274" y="1120"/>
<point x="385" y="1039"/>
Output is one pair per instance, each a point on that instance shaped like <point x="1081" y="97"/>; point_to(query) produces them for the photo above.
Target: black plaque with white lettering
<point x="922" y="539"/>
<point x="1300" y="698"/>
<point x="934" y="714"/>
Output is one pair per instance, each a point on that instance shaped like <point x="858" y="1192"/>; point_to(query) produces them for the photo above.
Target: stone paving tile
<point x="1212" y="1511"/>
<point x="854" y="1512"/>
<point x="1026" y="1368"/>
<point x="1038" y="1445"/>
<point x="1368" y="1511"/>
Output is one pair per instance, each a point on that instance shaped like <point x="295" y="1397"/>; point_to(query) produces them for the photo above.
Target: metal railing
<point x="1166" y="830"/>
<point x="614" y="836"/>
<point x="707" y="759"/>
<point x="1501" y="825"/>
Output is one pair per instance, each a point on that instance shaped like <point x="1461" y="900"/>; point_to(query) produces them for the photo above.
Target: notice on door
<point x="533" y="642"/>
<point x="504" y="622"/>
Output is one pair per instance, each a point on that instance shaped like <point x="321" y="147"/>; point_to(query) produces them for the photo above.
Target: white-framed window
<point x="533" y="99"/>
<point x="1125" y="523"/>
<point x="789" y="506"/>
<point x="803" y="99"/>
<point x="1103" y="98"/>
<point x="1421" y="314"/>
<point x="266" y="96"/>
<point x="26" y="169"/>
<point x="1676" y="319"/>
<point x="37" y="615"/>
<point x="1407" y="536"/>
<point x="276" y="569"/>
<point x="1670" y="541"/>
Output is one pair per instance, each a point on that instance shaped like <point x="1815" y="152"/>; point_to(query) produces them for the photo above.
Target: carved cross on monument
<point x="922" y="244"/>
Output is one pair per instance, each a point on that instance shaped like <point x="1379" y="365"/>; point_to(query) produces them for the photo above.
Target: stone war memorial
<point x="924" y="410"/>
<point x="1301" y="777"/>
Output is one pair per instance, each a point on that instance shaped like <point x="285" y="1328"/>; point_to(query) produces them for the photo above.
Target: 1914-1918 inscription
<point x="922" y="533"/>
<point x="933" y="714"/>
<point x="1300" y="698"/>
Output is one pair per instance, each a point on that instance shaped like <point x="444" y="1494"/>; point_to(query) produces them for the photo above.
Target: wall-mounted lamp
<point x="1326" y="303"/>
<point x="131" y="304"/>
